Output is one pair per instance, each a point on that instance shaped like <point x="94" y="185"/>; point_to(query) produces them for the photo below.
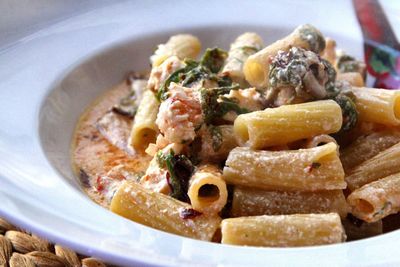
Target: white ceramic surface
<point x="49" y="77"/>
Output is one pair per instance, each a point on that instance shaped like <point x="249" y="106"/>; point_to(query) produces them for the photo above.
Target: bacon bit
<point x="314" y="165"/>
<point x="189" y="214"/>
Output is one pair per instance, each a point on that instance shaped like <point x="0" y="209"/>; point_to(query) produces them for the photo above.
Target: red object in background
<point x="381" y="47"/>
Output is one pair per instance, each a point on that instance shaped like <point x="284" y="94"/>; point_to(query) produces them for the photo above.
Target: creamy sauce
<point x="100" y="165"/>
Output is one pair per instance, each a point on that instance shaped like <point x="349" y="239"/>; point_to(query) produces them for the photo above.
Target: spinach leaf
<point x="349" y="112"/>
<point x="176" y="77"/>
<point x="180" y="169"/>
<point x="214" y="59"/>
<point x="211" y="62"/>
<point x="215" y="105"/>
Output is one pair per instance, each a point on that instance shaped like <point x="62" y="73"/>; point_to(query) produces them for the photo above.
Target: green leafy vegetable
<point x="215" y="105"/>
<point x="349" y="112"/>
<point x="176" y="77"/>
<point x="214" y="59"/>
<point x="180" y="169"/>
<point x="206" y="69"/>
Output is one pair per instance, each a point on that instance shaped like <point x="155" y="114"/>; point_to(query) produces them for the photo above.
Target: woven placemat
<point x="19" y="248"/>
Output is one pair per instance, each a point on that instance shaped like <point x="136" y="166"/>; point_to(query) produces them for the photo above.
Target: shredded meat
<point x="159" y="74"/>
<point x="180" y="115"/>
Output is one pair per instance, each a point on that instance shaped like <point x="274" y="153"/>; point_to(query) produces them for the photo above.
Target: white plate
<point x="49" y="77"/>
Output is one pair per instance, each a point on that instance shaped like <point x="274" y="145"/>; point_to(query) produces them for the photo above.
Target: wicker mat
<point x="19" y="248"/>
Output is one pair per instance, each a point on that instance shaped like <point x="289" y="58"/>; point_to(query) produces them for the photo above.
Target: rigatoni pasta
<point x="162" y="212"/>
<point x="180" y="45"/>
<point x="249" y="201"/>
<point x="256" y="68"/>
<point x="243" y="47"/>
<point x="378" y="105"/>
<point x="383" y="164"/>
<point x="207" y="190"/>
<point x="252" y="146"/>
<point x="144" y="130"/>
<point x="279" y="126"/>
<point x="376" y="200"/>
<point x="311" y="169"/>
<point x="368" y="146"/>
<point x="283" y="230"/>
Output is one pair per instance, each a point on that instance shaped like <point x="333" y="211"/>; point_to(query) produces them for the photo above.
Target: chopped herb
<point x="180" y="169"/>
<point x="215" y="105"/>
<point x="176" y="77"/>
<point x="385" y="207"/>
<point x="313" y="166"/>
<point x="214" y="59"/>
<point x="216" y="136"/>
<point x="189" y="213"/>
<point x="194" y="71"/>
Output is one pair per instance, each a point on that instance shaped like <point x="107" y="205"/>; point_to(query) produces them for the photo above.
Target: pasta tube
<point x="144" y="129"/>
<point x="279" y="126"/>
<point x="283" y="230"/>
<point x="207" y="191"/>
<point x="180" y="45"/>
<point x="243" y="47"/>
<point x="378" y="105"/>
<point x="252" y="201"/>
<point x="313" y="169"/>
<point x="217" y="142"/>
<point x="319" y="140"/>
<point x="367" y="146"/>
<point x="256" y="67"/>
<point x="384" y="164"/>
<point x="376" y="200"/>
<point x="162" y="212"/>
<point x="353" y="78"/>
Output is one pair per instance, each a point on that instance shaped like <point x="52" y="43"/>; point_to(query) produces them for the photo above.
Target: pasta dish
<point x="275" y="145"/>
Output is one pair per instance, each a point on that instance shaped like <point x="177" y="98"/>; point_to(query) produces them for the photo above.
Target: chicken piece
<point x="180" y="115"/>
<point x="161" y="73"/>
